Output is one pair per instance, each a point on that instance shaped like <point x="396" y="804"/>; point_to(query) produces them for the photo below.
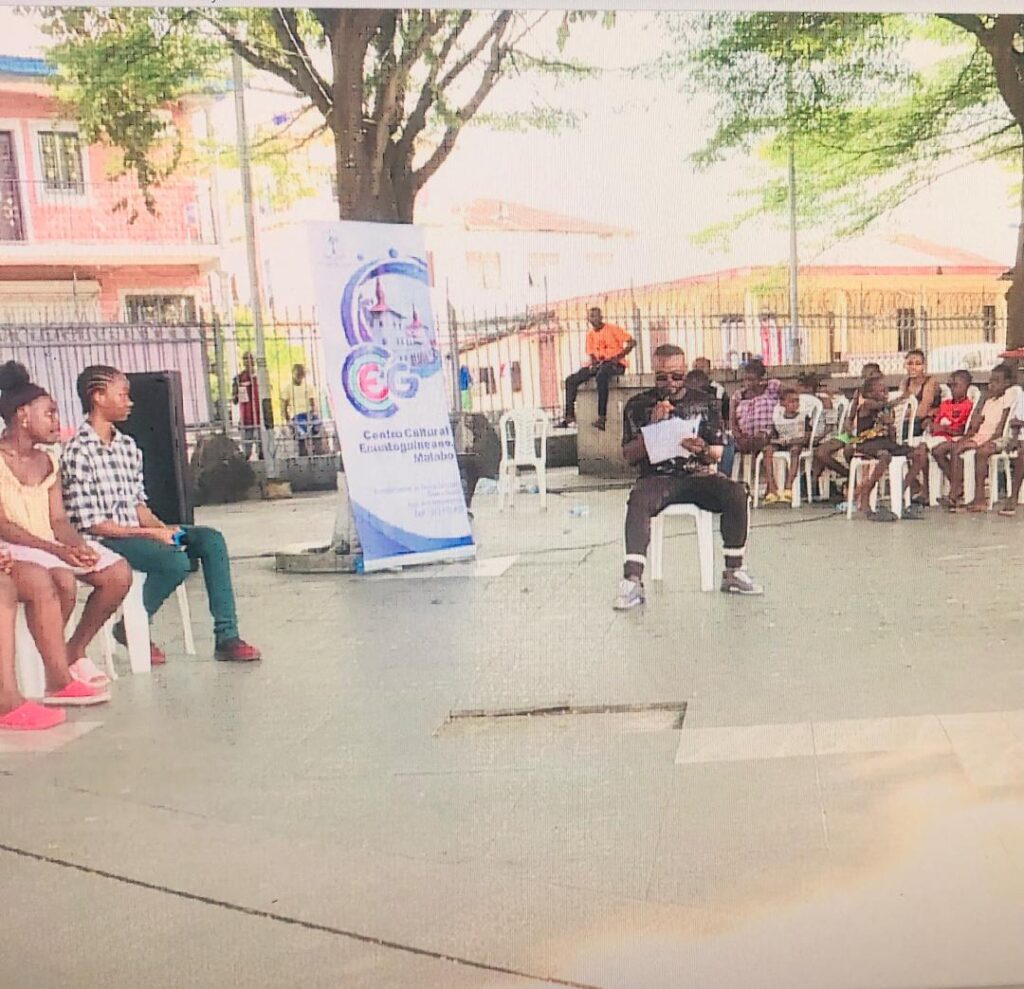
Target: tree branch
<point x="417" y="120"/>
<point x="294" y="49"/>
<point x="253" y="57"/>
<point x="490" y="76"/>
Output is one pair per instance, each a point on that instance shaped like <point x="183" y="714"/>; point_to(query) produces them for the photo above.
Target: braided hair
<point x="16" y="389"/>
<point x="96" y="377"/>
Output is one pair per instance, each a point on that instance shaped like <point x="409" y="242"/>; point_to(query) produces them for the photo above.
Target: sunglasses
<point x="661" y="376"/>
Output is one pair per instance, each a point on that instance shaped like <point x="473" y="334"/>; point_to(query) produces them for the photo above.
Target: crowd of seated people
<point x="80" y="515"/>
<point x="925" y="421"/>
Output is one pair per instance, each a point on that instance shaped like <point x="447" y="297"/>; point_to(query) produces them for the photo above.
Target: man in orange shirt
<point x="607" y="347"/>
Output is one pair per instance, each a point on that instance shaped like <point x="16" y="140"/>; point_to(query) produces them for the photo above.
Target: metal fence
<point x="492" y="363"/>
<point x="207" y="355"/>
<point x="506" y="362"/>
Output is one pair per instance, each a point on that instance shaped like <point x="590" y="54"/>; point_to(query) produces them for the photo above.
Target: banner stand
<point x="385" y="377"/>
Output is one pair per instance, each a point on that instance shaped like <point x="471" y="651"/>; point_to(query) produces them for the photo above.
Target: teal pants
<point x="166" y="567"/>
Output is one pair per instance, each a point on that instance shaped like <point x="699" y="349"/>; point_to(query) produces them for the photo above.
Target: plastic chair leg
<point x="935" y="479"/>
<point x="107" y="634"/>
<point x="706" y="551"/>
<point x="28" y="663"/>
<point x="851" y="485"/>
<point x="969" y="460"/>
<point x="136" y="627"/>
<point x="656" y="550"/>
<point x="896" y="493"/>
<point x="542" y="484"/>
<point x="186" y="620"/>
<point x="756" y="486"/>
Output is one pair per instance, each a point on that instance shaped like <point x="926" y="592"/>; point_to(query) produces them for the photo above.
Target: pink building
<point x="76" y="242"/>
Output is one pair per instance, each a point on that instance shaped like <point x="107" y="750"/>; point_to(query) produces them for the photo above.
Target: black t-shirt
<point x="693" y="404"/>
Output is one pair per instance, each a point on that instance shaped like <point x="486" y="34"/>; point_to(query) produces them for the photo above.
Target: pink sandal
<point x="87" y="672"/>
<point x="76" y="694"/>
<point x="31" y="717"/>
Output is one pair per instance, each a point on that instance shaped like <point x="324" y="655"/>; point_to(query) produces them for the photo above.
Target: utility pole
<point x="255" y="294"/>
<point x="794" y="298"/>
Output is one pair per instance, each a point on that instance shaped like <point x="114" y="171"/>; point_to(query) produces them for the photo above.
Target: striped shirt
<point x="102" y="481"/>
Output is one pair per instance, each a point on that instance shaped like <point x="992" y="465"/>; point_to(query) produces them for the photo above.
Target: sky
<point x="627" y="162"/>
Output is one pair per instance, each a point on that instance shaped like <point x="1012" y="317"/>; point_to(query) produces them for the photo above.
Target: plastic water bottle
<point x="360" y="567"/>
<point x="579" y="511"/>
<point x="532" y="489"/>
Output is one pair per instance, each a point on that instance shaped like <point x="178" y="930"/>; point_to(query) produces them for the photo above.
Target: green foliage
<point x="877" y="107"/>
<point x="118" y="67"/>
<point x="425" y="75"/>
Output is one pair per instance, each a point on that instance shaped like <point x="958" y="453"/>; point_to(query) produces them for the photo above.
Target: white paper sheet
<point x="663" y="439"/>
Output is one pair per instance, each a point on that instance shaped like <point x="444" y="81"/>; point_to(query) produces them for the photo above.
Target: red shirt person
<point x="245" y="393"/>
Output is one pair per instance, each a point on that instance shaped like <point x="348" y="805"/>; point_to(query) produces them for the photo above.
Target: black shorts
<point x="882" y="444"/>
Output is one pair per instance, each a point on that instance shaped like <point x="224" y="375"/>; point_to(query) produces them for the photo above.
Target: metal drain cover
<point x="621" y="718"/>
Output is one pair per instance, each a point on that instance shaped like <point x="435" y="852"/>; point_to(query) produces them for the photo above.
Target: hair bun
<point x="13" y="375"/>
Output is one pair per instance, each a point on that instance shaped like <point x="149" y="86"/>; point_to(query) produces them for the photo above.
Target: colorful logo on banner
<point x="392" y="349"/>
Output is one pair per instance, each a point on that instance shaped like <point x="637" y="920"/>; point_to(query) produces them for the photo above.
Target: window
<point x="541" y="266"/>
<point x="488" y="380"/>
<point x="988" y="323"/>
<point x="516" y="374"/>
<point x="60" y="156"/>
<point x="160" y="309"/>
<point x="484" y="268"/>
<point x="906" y="329"/>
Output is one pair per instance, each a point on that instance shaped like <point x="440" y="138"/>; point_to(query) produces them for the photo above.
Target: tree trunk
<point x="1000" y="42"/>
<point x="370" y="186"/>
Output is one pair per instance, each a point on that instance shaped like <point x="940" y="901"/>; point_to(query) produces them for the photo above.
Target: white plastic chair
<point x="995" y="462"/>
<point x="937" y="482"/>
<point x="903" y="428"/>
<point x="524" y="443"/>
<point x="841" y="406"/>
<point x="897" y="470"/>
<point x="705" y="543"/>
<point x="29" y="664"/>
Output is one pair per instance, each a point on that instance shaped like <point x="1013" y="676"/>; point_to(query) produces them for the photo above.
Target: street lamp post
<point x="255" y="295"/>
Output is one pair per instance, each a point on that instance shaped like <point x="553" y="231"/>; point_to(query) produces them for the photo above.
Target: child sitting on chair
<point x="985" y="436"/>
<point x="790" y="434"/>
<point x="948" y="424"/>
<point x="875" y="440"/>
<point x="827" y="451"/>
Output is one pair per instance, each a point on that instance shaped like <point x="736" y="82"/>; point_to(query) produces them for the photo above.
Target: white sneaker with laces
<point x="739" y="582"/>
<point x="631" y="595"/>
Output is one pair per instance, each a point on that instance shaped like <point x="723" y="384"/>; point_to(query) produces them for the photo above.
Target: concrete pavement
<point x="843" y="805"/>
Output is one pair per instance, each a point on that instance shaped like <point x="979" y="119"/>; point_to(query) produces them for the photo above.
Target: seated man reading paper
<point x="688" y="478"/>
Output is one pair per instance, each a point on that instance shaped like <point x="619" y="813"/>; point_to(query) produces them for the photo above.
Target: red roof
<point x="497" y="214"/>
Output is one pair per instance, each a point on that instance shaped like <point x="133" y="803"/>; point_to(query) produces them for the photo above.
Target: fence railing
<point x="490" y="365"/>
<point x="508" y="362"/>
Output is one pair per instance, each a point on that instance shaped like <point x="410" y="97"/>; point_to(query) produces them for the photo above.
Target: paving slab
<point x="841" y="806"/>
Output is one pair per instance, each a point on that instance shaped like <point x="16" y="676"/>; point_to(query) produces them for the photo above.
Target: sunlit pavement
<point x="841" y="806"/>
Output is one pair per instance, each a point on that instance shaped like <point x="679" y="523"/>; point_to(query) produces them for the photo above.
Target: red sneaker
<point x="156" y="655"/>
<point x="237" y="651"/>
<point x="32" y="717"/>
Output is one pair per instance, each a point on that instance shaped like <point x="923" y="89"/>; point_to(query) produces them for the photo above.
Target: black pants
<point x="604" y="374"/>
<point x="711" y="492"/>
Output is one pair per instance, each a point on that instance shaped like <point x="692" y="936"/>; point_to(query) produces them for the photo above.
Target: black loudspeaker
<point x="157" y="424"/>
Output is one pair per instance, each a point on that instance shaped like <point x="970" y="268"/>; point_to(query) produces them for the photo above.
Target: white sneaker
<point x="739" y="582"/>
<point x="631" y="595"/>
